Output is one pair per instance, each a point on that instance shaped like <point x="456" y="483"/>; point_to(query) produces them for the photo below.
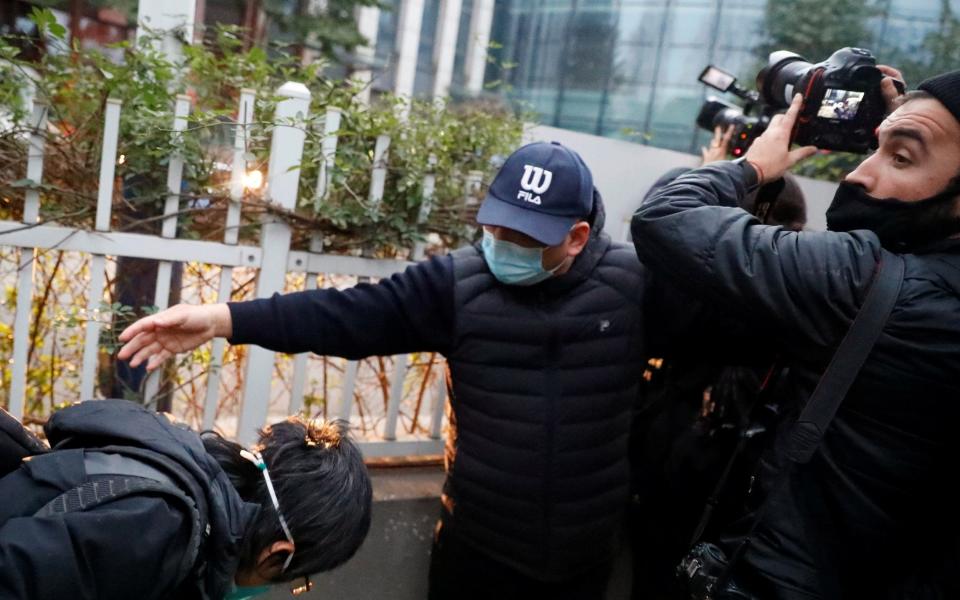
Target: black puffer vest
<point x="543" y="381"/>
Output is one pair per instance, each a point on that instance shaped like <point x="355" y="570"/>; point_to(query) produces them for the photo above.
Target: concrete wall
<point x="624" y="171"/>
<point x="394" y="561"/>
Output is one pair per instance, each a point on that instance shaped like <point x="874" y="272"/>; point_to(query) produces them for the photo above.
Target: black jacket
<point x="873" y="507"/>
<point x="543" y="381"/>
<point x="130" y="547"/>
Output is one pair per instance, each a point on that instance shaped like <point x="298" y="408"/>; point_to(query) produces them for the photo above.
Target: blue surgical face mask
<point x="513" y="264"/>
<point x="246" y="592"/>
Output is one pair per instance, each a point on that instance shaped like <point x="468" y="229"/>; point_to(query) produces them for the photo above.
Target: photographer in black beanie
<point x="872" y="514"/>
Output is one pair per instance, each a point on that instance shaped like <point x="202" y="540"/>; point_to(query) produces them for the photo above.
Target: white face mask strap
<point x="257" y="460"/>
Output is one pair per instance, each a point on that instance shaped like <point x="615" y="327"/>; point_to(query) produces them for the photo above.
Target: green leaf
<point x="57" y="30"/>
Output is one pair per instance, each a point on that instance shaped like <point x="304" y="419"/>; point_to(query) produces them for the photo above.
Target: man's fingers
<point x="144" y="353"/>
<point x="145" y="324"/>
<point x="890" y="71"/>
<point x="157" y="359"/>
<point x="890" y="93"/>
<point x="790" y="117"/>
<point x="727" y="135"/>
<point x="799" y="154"/>
<point x="139" y="341"/>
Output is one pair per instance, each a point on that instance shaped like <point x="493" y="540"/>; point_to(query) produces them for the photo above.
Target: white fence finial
<point x="286" y="154"/>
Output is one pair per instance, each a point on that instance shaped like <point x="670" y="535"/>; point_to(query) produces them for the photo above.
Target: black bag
<point x="16" y="443"/>
<point x="706" y="569"/>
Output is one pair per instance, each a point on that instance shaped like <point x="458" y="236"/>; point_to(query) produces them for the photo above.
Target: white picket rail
<point x="273" y="258"/>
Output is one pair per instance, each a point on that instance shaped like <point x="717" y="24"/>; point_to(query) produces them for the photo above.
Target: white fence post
<point x="31" y="214"/>
<point x="401" y="361"/>
<point x="300" y="360"/>
<point x="426" y="203"/>
<point x="286" y="152"/>
<point x="161" y="297"/>
<point x="108" y="163"/>
<point x="378" y="178"/>
<point x="230" y="236"/>
<point x="346" y="390"/>
<point x="439" y="403"/>
<point x="331" y="125"/>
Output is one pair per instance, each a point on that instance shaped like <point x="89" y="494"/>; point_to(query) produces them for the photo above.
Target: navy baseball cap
<point x="541" y="191"/>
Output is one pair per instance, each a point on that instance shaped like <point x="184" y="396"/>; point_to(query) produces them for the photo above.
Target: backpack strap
<point x="114" y="476"/>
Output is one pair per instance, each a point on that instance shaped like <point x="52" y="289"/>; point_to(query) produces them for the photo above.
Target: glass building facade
<point x="627" y="68"/>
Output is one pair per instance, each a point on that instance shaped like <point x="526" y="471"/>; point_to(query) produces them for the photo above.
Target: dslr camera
<point x="703" y="574"/>
<point x="714" y="113"/>
<point x="842" y="102"/>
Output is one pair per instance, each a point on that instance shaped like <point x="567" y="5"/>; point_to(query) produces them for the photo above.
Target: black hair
<point x="321" y="483"/>
<point x="913" y="95"/>
<point x="779" y="202"/>
<point x="598" y="214"/>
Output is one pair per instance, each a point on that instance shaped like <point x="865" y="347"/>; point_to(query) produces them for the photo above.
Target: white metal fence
<point x="273" y="257"/>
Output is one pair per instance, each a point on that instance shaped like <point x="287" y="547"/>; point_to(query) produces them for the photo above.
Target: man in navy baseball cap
<point x="542" y="190"/>
<point x="535" y="214"/>
<point x="540" y="326"/>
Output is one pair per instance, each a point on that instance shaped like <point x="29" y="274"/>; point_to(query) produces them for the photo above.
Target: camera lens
<point x="716" y="113"/>
<point x="778" y="81"/>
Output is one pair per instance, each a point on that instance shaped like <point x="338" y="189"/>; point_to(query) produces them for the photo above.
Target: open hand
<point x="180" y="328"/>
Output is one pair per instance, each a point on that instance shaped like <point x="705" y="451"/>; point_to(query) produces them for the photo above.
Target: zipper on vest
<point x="553" y="391"/>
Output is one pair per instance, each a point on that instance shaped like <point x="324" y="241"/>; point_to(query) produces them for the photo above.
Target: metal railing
<point x="273" y="257"/>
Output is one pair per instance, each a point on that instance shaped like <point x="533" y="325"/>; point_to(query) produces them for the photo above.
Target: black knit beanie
<point x="946" y="89"/>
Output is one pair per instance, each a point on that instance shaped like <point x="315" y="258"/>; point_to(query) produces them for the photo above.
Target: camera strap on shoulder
<point x="820" y="409"/>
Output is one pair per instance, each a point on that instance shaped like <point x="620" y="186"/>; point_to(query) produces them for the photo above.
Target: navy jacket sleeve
<point x="129" y="548"/>
<point x="407" y="312"/>
<point x="806" y="286"/>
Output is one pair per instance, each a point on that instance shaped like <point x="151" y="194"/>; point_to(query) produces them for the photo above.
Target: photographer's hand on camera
<point x="718" y="145"/>
<point x="770" y="155"/>
<point x="888" y="88"/>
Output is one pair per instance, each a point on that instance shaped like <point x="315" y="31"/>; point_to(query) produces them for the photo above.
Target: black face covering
<point x="901" y="226"/>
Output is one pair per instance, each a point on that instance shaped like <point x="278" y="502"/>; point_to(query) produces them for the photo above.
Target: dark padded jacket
<point x="543" y="381"/>
<point x="130" y="547"/>
<point x="874" y="511"/>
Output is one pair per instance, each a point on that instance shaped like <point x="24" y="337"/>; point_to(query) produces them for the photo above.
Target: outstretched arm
<point x="408" y="311"/>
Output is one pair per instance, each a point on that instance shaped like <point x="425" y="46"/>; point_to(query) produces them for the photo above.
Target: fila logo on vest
<point x="535" y="181"/>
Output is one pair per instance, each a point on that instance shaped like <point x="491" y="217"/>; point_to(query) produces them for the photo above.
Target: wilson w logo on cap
<point x="536" y="179"/>
<point x="515" y="199"/>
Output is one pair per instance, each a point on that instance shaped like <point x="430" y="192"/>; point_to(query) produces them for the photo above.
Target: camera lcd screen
<point x="717" y="78"/>
<point x="840" y="104"/>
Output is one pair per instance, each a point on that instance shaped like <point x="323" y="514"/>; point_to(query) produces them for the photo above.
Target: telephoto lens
<point x="777" y="81"/>
<point x="842" y="102"/>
